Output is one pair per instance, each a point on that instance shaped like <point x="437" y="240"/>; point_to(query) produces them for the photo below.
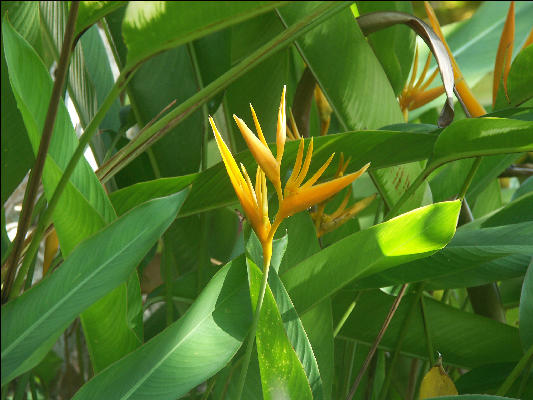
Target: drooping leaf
<point x="92" y="270"/>
<point x="394" y="46"/>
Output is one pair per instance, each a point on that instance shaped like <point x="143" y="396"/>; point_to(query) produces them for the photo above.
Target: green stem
<point x="427" y="333"/>
<point x="470" y="177"/>
<point x="46" y="138"/>
<point x="515" y="373"/>
<point x="174" y="117"/>
<point x="78" y="153"/>
<point x="345" y="316"/>
<point x="400" y="339"/>
<point x="251" y="336"/>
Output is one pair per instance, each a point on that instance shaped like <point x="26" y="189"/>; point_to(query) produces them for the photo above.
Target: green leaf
<point x="17" y="154"/>
<point x="394" y="46"/>
<point x="488" y="379"/>
<point x="149" y="28"/>
<point x="92" y="270"/>
<point x="379" y="147"/>
<point x="318" y="324"/>
<point x="464" y="339"/>
<point x="127" y="198"/>
<point x="482" y="136"/>
<point x="519" y="81"/>
<point x="410" y="236"/>
<point x="489" y="254"/>
<point x="282" y="374"/>
<point x="526" y="309"/>
<point x="212" y="329"/>
<point x="291" y="323"/>
<point x="91" y="11"/>
<point x="262" y="86"/>
<point x="151" y="90"/>
<point x="357" y="71"/>
<point x="84" y="208"/>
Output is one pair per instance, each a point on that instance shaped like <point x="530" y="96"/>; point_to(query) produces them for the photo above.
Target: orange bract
<point x="294" y="198"/>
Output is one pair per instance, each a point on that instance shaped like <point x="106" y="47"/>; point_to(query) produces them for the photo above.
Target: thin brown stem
<point x="382" y="331"/>
<point x="46" y="137"/>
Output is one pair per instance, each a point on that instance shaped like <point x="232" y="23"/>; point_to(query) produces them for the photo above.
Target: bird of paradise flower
<point x="294" y="197"/>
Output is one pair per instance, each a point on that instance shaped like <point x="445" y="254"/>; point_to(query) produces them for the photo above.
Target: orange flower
<point x="294" y="198"/>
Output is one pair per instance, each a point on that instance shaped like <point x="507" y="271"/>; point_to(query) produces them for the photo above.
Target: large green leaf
<point x="282" y="373"/>
<point x="92" y="270"/>
<point x="394" y="46"/>
<point x="482" y="136"/>
<point x="490" y="254"/>
<point x="84" y="208"/>
<point x="151" y="27"/>
<point x="464" y="339"/>
<point x="410" y="236"/>
<point x="378" y="147"/>
<point x="526" y="309"/>
<point x="212" y="329"/>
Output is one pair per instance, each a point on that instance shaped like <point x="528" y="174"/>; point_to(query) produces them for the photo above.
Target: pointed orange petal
<point x="318" y="173"/>
<point x="294" y="128"/>
<point x="335" y="222"/>
<point x="258" y="126"/>
<point x="340" y="209"/>
<point x="422" y="98"/>
<point x="415" y="70"/>
<point x="251" y="192"/>
<point x="504" y="54"/>
<point x="297" y="166"/>
<point x="261" y="153"/>
<point x="307" y="162"/>
<point x="304" y="199"/>
<point x="231" y="166"/>
<point x="281" y="133"/>
<point x="424" y="72"/>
